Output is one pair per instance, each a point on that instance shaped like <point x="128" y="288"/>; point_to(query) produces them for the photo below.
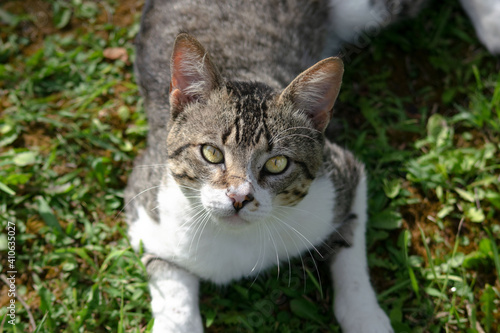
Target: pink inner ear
<point x="193" y="74"/>
<point x="180" y="78"/>
<point x="322" y="115"/>
<point x="179" y="82"/>
<point x="316" y="89"/>
<point x="177" y="98"/>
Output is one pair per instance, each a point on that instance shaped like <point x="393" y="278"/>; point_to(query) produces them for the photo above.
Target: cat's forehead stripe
<point x="251" y="112"/>
<point x="179" y="150"/>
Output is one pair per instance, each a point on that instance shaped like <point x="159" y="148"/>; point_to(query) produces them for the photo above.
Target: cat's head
<point x="242" y="149"/>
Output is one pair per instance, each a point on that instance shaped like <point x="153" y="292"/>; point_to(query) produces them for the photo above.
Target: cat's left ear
<point x="193" y="73"/>
<point x="315" y="90"/>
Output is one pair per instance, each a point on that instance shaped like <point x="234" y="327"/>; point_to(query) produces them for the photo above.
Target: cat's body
<point x="312" y="31"/>
<point x="237" y="175"/>
<point x="237" y="216"/>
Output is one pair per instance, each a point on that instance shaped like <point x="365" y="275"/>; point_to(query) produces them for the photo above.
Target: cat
<point x="237" y="175"/>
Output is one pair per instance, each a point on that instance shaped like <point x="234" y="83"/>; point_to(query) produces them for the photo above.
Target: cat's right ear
<point x="193" y="74"/>
<point x="315" y="90"/>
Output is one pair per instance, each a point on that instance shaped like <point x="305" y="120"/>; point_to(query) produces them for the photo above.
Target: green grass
<point x="420" y="106"/>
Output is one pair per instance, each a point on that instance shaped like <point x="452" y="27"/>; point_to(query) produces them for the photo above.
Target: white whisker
<point x="200" y="221"/>
<point x="189" y="188"/>
<point x="303" y="238"/>
<point x="275" y="248"/>
<point x="272" y="140"/>
<point x="314" y="215"/>
<point x="205" y="221"/>
<point x="309" y="213"/>
<point x="191" y="222"/>
<point x="261" y="238"/>
<point x="143" y="166"/>
<point x="285" y="247"/>
<point x="292" y="135"/>
<point x="135" y="196"/>
<point x="296" y="247"/>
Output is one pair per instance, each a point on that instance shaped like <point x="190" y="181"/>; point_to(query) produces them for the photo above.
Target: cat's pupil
<point x="212" y="154"/>
<point x="276" y="165"/>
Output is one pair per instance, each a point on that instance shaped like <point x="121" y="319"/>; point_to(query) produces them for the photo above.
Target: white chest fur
<point x="222" y="254"/>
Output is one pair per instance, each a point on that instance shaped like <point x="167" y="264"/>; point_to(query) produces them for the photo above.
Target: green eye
<point x="276" y="164"/>
<point x="212" y="154"/>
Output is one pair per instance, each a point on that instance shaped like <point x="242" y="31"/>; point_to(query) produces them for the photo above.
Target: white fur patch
<point x="174" y="294"/>
<point x="356" y="306"/>
<point x="223" y="253"/>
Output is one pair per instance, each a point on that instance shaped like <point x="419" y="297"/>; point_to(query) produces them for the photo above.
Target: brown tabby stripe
<point x="251" y="111"/>
<point x="299" y="194"/>
<point x="292" y="197"/>
<point x="183" y="175"/>
<point x="226" y="134"/>
<point x="304" y="167"/>
<point x="179" y="150"/>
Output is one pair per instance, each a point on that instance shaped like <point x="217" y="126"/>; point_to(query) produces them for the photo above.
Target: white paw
<point x="163" y="325"/>
<point x="367" y="320"/>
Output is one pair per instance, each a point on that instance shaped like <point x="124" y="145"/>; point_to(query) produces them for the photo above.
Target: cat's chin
<point x="233" y="221"/>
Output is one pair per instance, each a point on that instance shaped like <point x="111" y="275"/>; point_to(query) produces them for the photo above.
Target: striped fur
<point x="252" y="92"/>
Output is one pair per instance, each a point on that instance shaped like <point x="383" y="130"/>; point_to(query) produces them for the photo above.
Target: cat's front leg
<point x="174" y="293"/>
<point x="356" y="307"/>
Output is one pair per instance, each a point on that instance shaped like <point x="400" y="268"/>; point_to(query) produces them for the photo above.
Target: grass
<point x="420" y="106"/>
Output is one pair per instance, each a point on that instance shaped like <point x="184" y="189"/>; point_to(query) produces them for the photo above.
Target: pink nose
<point x="240" y="199"/>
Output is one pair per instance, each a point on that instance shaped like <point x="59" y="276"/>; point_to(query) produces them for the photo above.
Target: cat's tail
<point x="357" y="22"/>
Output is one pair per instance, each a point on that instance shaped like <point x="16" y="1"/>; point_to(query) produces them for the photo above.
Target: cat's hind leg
<point x="359" y="21"/>
<point x="174" y="293"/>
<point x="356" y="306"/>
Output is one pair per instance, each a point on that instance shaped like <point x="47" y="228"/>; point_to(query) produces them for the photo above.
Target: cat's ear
<point x="315" y="90"/>
<point x="193" y="74"/>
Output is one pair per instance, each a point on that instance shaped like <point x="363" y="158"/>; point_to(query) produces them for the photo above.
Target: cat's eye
<point x="276" y="165"/>
<point x="212" y="154"/>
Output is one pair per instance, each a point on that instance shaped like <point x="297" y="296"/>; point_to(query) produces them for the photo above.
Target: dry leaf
<point x="116" y="53"/>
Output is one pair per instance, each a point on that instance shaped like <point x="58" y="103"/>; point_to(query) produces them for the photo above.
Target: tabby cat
<point x="238" y="175"/>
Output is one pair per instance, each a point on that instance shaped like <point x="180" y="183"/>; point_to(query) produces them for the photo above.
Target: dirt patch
<point x="37" y="21"/>
<point x="127" y="12"/>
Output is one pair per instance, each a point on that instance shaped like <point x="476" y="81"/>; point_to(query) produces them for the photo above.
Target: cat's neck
<point x="259" y="74"/>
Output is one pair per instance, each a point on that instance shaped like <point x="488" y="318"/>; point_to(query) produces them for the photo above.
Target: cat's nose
<point x="240" y="199"/>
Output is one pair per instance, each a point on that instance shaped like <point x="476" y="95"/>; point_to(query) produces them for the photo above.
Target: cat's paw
<point x="373" y="320"/>
<point x="169" y="326"/>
